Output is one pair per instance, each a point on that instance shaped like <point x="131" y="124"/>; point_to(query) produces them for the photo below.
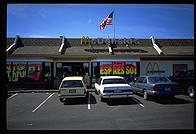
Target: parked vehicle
<point x="155" y="86"/>
<point x="72" y="87"/>
<point x="112" y="87"/>
<point x="186" y="81"/>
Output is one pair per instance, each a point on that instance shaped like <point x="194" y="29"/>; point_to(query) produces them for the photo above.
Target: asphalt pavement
<point x="44" y="111"/>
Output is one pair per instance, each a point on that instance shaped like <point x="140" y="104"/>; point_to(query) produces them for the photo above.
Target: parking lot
<point x="44" y="111"/>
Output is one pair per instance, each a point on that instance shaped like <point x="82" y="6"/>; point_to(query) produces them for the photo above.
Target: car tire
<point x="190" y="91"/>
<point x="62" y="100"/>
<point x="145" y="95"/>
<point x="96" y="91"/>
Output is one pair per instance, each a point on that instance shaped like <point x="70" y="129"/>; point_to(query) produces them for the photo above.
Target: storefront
<point x="44" y="62"/>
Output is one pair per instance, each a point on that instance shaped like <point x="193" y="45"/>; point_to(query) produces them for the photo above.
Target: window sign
<point x="105" y="68"/>
<point x="34" y="71"/>
<point x="9" y="71"/>
<point x="118" y="68"/>
<point x="18" y="71"/>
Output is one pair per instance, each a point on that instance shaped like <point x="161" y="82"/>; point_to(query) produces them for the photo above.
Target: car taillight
<point x="108" y="91"/>
<point x="156" y="88"/>
<point x="126" y="90"/>
<point x="59" y="91"/>
<point x="176" y="87"/>
<point x="85" y="90"/>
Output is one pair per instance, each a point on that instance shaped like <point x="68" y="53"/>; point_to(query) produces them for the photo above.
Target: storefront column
<point x="54" y="69"/>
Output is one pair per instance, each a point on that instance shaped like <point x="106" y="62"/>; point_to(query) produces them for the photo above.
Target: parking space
<point x="44" y="111"/>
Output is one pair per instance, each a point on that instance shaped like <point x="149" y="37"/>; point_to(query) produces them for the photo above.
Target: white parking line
<point x="89" y="106"/>
<point x="137" y="102"/>
<point x="43" y="102"/>
<point x="13" y="95"/>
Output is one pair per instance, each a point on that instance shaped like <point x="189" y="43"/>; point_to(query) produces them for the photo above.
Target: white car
<point x="72" y="87"/>
<point x="112" y="87"/>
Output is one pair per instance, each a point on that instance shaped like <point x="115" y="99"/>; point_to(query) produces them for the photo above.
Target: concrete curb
<point x="38" y="91"/>
<point x="32" y="91"/>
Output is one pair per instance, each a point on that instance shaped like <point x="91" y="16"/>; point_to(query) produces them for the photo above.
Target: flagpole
<point x="114" y="23"/>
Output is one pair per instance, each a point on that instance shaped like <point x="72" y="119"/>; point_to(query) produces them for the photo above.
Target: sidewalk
<point x="30" y="90"/>
<point x="35" y="90"/>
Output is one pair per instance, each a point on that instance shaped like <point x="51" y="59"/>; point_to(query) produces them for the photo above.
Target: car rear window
<point x="114" y="81"/>
<point x="72" y="83"/>
<point x="158" y="79"/>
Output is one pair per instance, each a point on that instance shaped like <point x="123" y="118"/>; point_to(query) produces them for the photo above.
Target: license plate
<point x="117" y="91"/>
<point x="167" y="89"/>
<point x="72" y="91"/>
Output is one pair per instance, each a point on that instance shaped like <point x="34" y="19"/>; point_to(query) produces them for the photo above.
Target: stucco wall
<point x="165" y="66"/>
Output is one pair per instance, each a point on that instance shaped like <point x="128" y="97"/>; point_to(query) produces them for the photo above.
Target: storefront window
<point x="95" y="73"/>
<point x="35" y="70"/>
<point x="18" y="71"/>
<point x="48" y="71"/>
<point x="131" y="71"/>
<point x="72" y="68"/>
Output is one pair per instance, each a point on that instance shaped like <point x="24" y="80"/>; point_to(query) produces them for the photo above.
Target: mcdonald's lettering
<point x="152" y="67"/>
<point x="87" y="40"/>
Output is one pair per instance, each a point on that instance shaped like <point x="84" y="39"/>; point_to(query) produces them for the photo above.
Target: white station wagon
<point x="72" y="87"/>
<point x="112" y="87"/>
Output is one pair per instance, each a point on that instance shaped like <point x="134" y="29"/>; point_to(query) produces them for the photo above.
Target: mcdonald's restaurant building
<point x="43" y="62"/>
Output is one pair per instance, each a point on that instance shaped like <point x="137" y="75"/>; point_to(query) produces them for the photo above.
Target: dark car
<point x="155" y="86"/>
<point x="186" y="81"/>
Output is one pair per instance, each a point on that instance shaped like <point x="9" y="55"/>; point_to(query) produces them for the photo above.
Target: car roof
<point x="73" y="78"/>
<point x="111" y="77"/>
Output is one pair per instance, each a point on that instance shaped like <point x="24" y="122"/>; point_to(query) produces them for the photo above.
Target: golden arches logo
<point x="85" y="40"/>
<point x="152" y="67"/>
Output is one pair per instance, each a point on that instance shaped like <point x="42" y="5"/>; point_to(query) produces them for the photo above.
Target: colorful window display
<point x="16" y="71"/>
<point x="32" y="71"/>
<point x="118" y="68"/>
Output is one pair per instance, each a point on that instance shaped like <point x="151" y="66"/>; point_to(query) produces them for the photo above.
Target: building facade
<point x="43" y="62"/>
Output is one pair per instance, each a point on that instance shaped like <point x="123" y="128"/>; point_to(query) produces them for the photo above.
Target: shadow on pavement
<point x="120" y="101"/>
<point x="80" y="101"/>
<point x="167" y="100"/>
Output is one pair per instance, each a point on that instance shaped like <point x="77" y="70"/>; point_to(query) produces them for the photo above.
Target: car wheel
<point x="145" y="95"/>
<point x="96" y="91"/>
<point x="191" y="91"/>
<point x="62" y="100"/>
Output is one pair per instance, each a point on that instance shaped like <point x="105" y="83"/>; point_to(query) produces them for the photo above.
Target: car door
<point x="140" y="85"/>
<point x="145" y="84"/>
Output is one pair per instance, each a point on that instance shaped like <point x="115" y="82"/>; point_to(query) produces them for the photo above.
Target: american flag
<point x="107" y="21"/>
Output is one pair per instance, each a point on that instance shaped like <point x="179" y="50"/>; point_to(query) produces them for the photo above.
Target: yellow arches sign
<point x="152" y="67"/>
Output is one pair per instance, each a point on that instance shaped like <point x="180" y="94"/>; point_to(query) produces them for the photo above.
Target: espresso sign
<point x="87" y="40"/>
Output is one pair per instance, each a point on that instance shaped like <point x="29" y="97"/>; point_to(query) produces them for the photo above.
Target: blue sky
<point x="77" y="20"/>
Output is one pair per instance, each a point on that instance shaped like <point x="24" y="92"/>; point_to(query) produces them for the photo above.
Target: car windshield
<point x="158" y="79"/>
<point x="114" y="81"/>
<point x="72" y="83"/>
